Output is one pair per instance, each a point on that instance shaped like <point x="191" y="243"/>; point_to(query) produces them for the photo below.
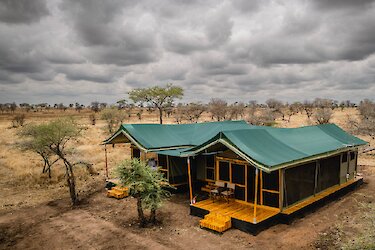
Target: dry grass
<point x="354" y="231"/>
<point x="20" y="172"/>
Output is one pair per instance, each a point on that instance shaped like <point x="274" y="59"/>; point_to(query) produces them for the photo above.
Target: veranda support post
<point x="261" y="187"/>
<point x="256" y="196"/>
<point x="106" y="161"/>
<point x="190" y="185"/>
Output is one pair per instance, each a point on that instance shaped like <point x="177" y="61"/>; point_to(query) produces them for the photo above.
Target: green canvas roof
<point x="273" y="148"/>
<point x="153" y="137"/>
<point x="268" y="148"/>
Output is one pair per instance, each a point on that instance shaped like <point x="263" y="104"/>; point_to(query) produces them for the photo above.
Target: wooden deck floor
<point x="237" y="210"/>
<point x="317" y="197"/>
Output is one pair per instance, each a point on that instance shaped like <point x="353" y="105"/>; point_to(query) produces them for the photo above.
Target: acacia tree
<point x="52" y="139"/>
<point x="34" y="146"/>
<point x="146" y="185"/>
<point x="157" y="97"/>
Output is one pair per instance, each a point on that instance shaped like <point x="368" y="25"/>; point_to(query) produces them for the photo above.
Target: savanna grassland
<point x="35" y="211"/>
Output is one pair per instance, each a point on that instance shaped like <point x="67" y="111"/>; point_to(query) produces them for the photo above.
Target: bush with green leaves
<point x="145" y="184"/>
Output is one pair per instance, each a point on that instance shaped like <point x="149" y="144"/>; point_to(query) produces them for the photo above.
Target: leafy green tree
<point x="145" y="184"/>
<point x="158" y="97"/>
<point x="53" y="138"/>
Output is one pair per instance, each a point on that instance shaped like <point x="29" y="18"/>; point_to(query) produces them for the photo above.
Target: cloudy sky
<point x="94" y="50"/>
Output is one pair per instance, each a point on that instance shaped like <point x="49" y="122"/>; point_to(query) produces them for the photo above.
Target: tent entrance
<point x="252" y="187"/>
<point x="174" y="169"/>
<point x="234" y="172"/>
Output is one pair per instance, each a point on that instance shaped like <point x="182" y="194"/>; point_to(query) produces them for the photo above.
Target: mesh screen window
<point x="210" y="161"/>
<point x="344" y="157"/>
<point x="271" y="199"/>
<point x="136" y="153"/>
<point x="162" y="161"/>
<point x="329" y="173"/>
<point x="224" y="171"/>
<point x="239" y="193"/>
<point x="271" y="181"/>
<point x="238" y="174"/>
<point x="299" y="183"/>
<point x="210" y="173"/>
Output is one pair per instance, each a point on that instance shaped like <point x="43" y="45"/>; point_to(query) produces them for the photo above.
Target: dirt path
<point x="103" y="223"/>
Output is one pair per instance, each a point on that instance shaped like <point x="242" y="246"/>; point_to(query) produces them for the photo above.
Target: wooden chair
<point x="229" y="192"/>
<point x="217" y="190"/>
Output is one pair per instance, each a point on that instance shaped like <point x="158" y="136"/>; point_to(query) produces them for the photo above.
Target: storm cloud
<point x="86" y="50"/>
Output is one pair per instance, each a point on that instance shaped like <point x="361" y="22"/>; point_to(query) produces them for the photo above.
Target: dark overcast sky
<point x="68" y="51"/>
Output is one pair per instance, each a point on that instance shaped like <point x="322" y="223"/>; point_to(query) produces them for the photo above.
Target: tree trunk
<point x="48" y="169"/>
<point x="141" y="215"/>
<point x="153" y="216"/>
<point x="161" y="115"/>
<point x="70" y="181"/>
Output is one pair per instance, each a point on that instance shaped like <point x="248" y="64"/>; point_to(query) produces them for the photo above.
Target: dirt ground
<point x="35" y="212"/>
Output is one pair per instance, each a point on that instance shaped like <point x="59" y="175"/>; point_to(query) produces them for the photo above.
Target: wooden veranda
<point x="237" y="210"/>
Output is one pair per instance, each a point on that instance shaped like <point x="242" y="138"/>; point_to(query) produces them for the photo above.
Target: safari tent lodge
<point x="250" y="174"/>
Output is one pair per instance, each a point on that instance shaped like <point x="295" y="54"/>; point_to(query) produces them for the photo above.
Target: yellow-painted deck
<point x="317" y="197"/>
<point x="238" y="210"/>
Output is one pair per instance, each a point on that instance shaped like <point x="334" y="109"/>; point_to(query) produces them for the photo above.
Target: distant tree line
<point x="162" y="99"/>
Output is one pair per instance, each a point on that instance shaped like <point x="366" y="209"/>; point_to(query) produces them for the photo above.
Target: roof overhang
<point x="263" y="167"/>
<point x="122" y="136"/>
<point x="122" y="133"/>
<point x="231" y="147"/>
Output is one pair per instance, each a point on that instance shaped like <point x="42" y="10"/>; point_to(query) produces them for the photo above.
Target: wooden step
<point x="216" y="222"/>
<point x="118" y="192"/>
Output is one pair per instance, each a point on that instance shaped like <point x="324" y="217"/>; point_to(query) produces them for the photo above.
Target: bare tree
<point x="296" y="107"/>
<point x="113" y="117"/>
<point x="18" y="120"/>
<point x="193" y="111"/>
<point x="366" y="125"/>
<point x="367" y="108"/>
<point x="275" y="106"/>
<point x="236" y="110"/>
<point x="78" y="107"/>
<point x="179" y="113"/>
<point x="288" y="112"/>
<point x="218" y="109"/>
<point x="12" y="107"/>
<point x="25" y="106"/>
<point x="292" y="109"/>
<point x="322" y="115"/>
<point x="95" y="107"/>
<point x="264" y="117"/>
<point x="309" y="108"/>
<point x="324" y="103"/>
